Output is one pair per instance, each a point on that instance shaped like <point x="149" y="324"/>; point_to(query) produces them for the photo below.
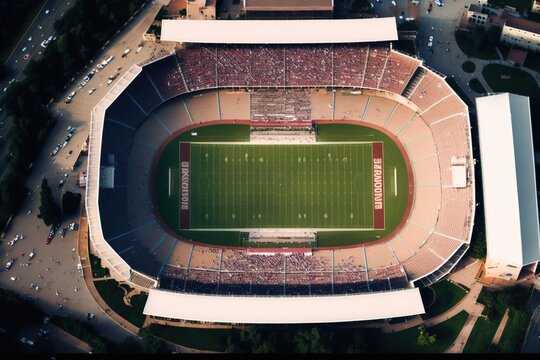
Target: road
<point x="28" y="47"/>
<point x="54" y="267"/>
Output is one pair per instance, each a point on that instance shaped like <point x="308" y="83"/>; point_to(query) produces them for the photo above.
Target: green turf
<point x="513" y="80"/>
<point x="203" y="339"/>
<point x="477" y="86"/>
<point x="113" y="295"/>
<point x="479" y="340"/>
<point x="281" y="186"/>
<point x="394" y="205"/>
<point x="406" y="341"/>
<point x="446" y="295"/>
<point x="170" y="159"/>
<point x="468" y="66"/>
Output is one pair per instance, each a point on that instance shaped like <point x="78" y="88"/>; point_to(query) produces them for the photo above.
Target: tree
<point x="70" y="202"/>
<point x="425" y="338"/>
<point x="358" y="344"/>
<point x="150" y="343"/>
<point x="312" y="341"/>
<point x="49" y="211"/>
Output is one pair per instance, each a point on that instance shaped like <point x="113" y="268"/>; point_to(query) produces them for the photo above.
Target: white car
<point x="23" y="49"/>
<point x="393" y="3"/>
<point x="431" y="38"/>
<point x="14" y="278"/>
<point x="91" y="91"/>
<point x="44" y="43"/>
<point x="9" y="264"/>
<point x="47" y="12"/>
<point x="439" y="3"/>
<point x="30" y="38"/>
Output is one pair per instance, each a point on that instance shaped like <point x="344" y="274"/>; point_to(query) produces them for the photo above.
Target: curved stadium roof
<point x="279" y="31"/>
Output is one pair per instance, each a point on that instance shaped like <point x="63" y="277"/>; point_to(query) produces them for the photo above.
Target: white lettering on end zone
<point x="184" y="194"/>
<point x="377" y="183"/>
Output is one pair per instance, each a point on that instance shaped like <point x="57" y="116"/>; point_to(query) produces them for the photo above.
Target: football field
<point x="320" y="186"/>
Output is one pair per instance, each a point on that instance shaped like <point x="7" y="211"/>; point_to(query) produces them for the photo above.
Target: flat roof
<point x="523" y="24"/>
<point x="283" y="309"/>
<point x="509" y="179"/>
<point x="288" y="5"/>
<point x="279" y="31"/>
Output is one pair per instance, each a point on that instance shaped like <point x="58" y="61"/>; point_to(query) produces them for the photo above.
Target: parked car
<point x="52" y="232"/>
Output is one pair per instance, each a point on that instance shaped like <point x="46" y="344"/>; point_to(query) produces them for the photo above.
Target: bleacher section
<point x="433" y="131"/>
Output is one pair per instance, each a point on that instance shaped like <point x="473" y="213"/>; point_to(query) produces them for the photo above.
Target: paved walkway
<point x="465" y="274"/>
<point x="500" y="329"/>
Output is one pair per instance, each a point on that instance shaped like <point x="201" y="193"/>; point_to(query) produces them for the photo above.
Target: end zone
<point x="378" y="186"/>
<point x="184" y="185"/>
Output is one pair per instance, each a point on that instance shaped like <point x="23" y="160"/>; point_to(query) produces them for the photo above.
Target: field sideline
<point x="282" y="186"/>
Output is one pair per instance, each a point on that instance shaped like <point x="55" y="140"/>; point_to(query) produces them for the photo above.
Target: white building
<point x="509" y="185"/>
<point x="475" y="15"/>
<point x="521" y="32"/>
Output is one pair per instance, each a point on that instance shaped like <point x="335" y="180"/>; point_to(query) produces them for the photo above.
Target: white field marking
<point x="169" y="182"/>
<point x="395" y="181"/>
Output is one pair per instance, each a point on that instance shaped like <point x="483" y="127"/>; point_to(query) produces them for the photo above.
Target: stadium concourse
<point x="369" y="84"/>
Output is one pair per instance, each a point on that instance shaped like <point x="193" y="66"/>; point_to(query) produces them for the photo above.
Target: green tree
<point x="70" y="202"/>
<point x="425" y="338"/>
<point x="49" y="211"/>
<point x="150" y="343"/>
<point x="312" y="341"/>
<point x="358" y="344"/>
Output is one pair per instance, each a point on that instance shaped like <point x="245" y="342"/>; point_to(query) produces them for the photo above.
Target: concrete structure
<point x="536" y="7"/>
<point x="201" y="9"/>
<point x="475" y="16"/>
<point x="283" y="310"/>
<point x="288" y="9"/>
<point x="280" y="31"/>
<point x="521" y="32"/>
<point x="510" y="199"/>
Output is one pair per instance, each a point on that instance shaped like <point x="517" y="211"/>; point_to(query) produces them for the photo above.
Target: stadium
<point x="233" y="178"/>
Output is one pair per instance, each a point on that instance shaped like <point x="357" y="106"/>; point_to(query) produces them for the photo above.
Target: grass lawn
<point x="204" y="339"/>
<point x="406" y="341"/>
<point x="483" y="332"/>
<point x="466" y="44"/>
<point x="113" y="295"/>
<point x="446" y="295"/>
<point x="240" y="186"/>
<point x="476" y="86"/>
<point x="513" y="80"/>
<point x="514" y="332"/>
<point x="468" y="66"/>
<point x="97" y="270"/>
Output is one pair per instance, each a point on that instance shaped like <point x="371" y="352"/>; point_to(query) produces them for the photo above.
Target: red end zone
<point x="184" y="185"/>
<point x="378" y="186"/>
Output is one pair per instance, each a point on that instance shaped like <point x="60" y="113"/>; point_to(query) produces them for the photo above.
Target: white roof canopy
<point x="279" y="31"/>
<point x="509" y="180"/>
<point x="284" y="309"/>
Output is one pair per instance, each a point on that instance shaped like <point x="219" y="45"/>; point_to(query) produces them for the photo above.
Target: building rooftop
<point x="288" y="5"/>
<point x="523" y="24"/>
<point x="280" y="31"/>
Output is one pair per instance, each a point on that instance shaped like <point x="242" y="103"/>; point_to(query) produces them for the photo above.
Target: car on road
<point x="9" y="264"/>
<point x="26" y="56"/>
<point x="52" y="232"/>
<point x="439" y="2"/>
<point x="32" y="254"/>
<point x="44" y="43"/>
<point x="126" y="52"/>
<point x="23" y="49"/>
<point x="47" y="12"/>
<point x="60" y="183"/>
<point x="14" y="278"/>
<point x="30" y="38"/>
<point x="430" y="7"/>
<point x="91" y="91"/>
<point x="55" y="150"/>
<point x="63" y="232"/>
<point x="393" y="3"/>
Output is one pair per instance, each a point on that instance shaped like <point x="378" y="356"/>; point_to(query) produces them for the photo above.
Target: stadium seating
<point x="433" y="130"/>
